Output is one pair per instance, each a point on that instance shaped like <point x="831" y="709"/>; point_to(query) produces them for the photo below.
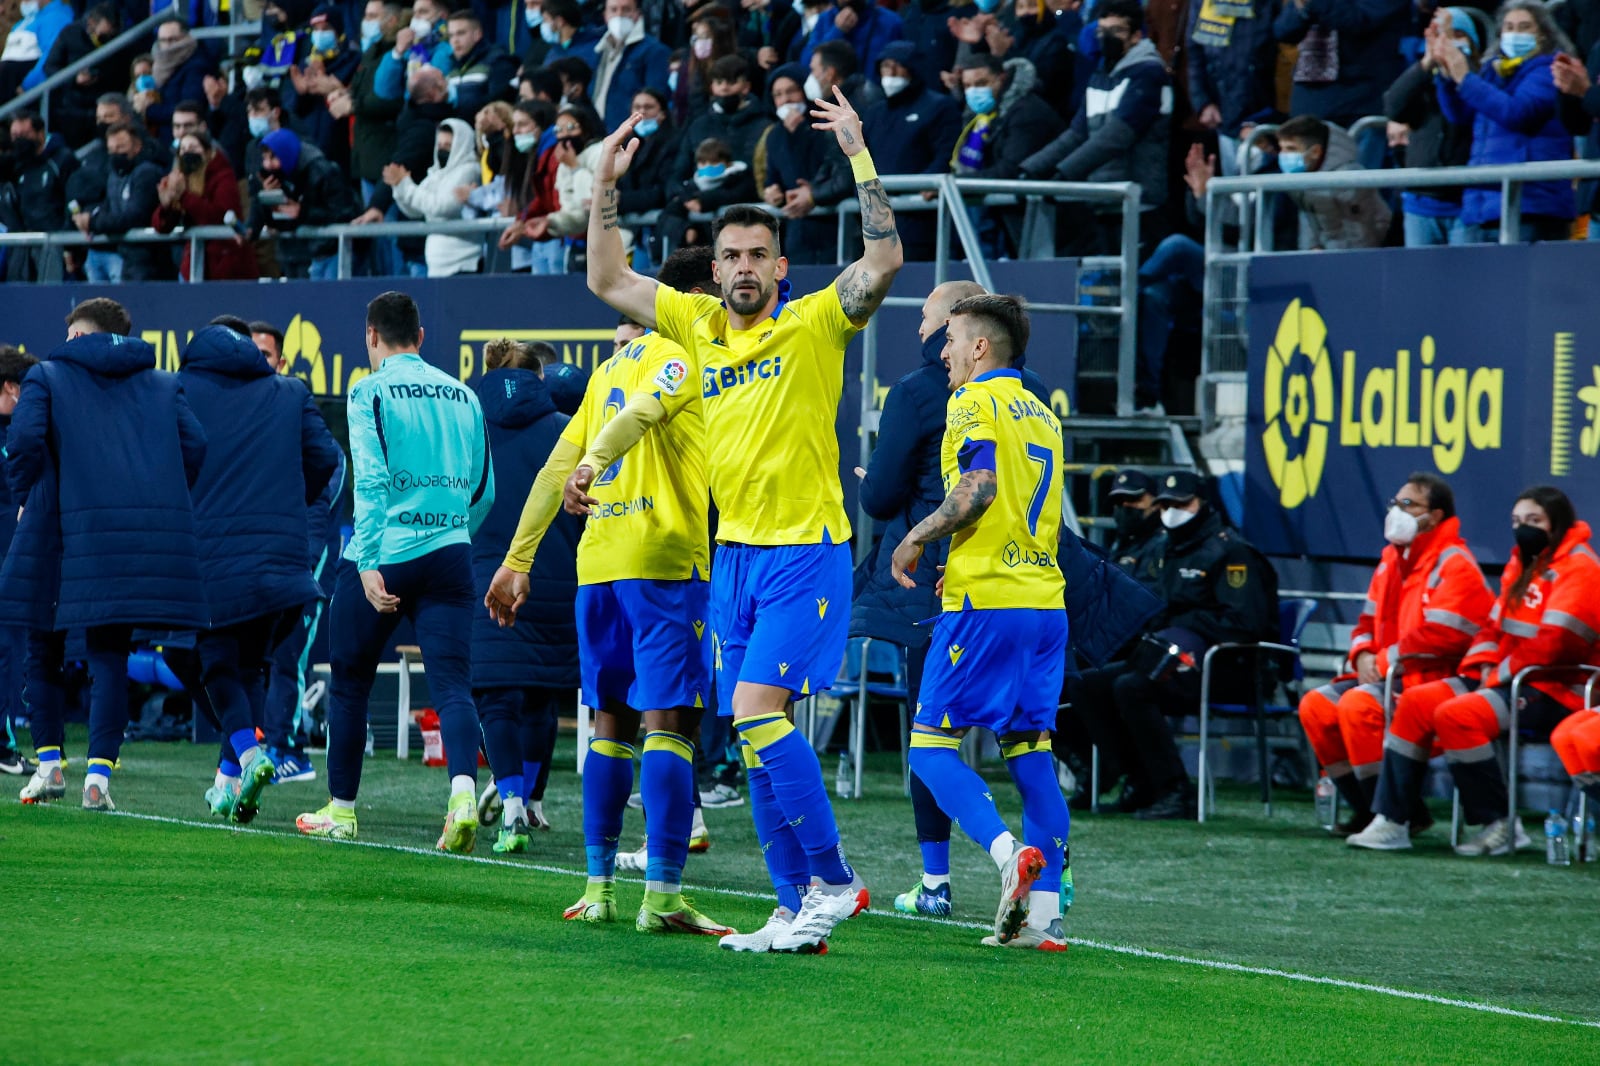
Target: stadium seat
<point x="855" y="687"/>
<point x="1293" y="614"/>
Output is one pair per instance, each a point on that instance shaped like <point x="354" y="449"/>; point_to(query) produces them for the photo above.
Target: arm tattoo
<point x="877" y="218"/>
<point x="855" y="293"/>
<point x="608" y="208"/>
<point x="966" y="504"/>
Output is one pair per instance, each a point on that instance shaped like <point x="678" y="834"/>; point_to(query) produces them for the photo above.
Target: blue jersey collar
<point x="989" y="375"/>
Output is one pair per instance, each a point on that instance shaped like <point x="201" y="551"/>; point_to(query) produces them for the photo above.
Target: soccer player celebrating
<point x="643" y="595"/>
<point x="423" y="485"/>
<point x="999" y="649"/>
<point x="770" y="371"/>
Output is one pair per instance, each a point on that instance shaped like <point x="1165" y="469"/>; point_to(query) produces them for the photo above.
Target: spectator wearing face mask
<point x="911" y="132"/>
<point x="87" y="184"/>
<point x="766" y="29"/>
<point x="800" y="168"/>
<point x="563" y="33"/>
<point x="626" y="61"/>
<point x="1006" y="122"/>
<point x="129" y="200"/>
<point x="284" y="40"/>
<point x="300" y="187"/>
<point x="868" y="27"/>
<point x="531" y="187"/>
<point x="734" y="118"/>
<point x="329" y="65"/>
<point x="373" y="138"/>
<point x="72" y="106"/>
<point x="202" y="190"/>
<point x="476" y="71"/>
<point x="180" y="70"/>
<point x="263" y="114"/>
<point x="28" y="44"/>
<point x="579" y="138"/>
<point x="415" y="142"/>
<point x="648" y="182"/>
<point x="718" y="180"/>
<point x="38" y="167"/>
<point x="1030" y="33"/>
<point x="434" y="198"/>
<point x="423" y="42"/>
<point x="227" y="119"/>
<point x="711" y="40"/>
<point x="834" y="65"/>
<point x="575" y="73"/>
<point x="1329" y="219"/>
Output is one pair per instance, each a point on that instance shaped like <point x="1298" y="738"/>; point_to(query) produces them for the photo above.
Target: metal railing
<point x="40" y="94"/>
<point x="1224" y="351"/>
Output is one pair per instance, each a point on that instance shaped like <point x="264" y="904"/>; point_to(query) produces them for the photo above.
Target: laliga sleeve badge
<point x="672" y="375"/>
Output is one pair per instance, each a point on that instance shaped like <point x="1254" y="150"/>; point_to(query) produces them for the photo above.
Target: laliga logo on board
<point x="1299" y="404"/>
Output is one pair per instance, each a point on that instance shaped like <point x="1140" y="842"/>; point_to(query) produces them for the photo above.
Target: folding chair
<point x="864" y="657"/>
<point x="1293" y="614"/>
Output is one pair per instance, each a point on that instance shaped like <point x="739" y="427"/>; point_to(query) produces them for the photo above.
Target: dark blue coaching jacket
<point x="542" y="648"/>
<point x="131" y="449"/>
<point x="1105" y="607"/>
<point x="251" y="496"/>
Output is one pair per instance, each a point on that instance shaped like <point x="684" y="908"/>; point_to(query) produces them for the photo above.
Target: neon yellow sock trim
<point x="45" y="751"/>
<point x="933" y="740"/>
<point x="748" y="755"/>
<point x="1025" y="747"/>
<point x="107" y="763"/>
<point x="665" y="741"/>
<point x="769" y="730"/>
<point x="612" y="749"/>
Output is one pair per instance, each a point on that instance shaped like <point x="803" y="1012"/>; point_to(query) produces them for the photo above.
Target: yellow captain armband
<point x="862" y="167"/>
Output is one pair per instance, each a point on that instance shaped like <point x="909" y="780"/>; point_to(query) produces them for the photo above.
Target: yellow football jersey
<point x="651" y="519"/>
<point x="771" y="394"/>
<point x="1008" y="557"/>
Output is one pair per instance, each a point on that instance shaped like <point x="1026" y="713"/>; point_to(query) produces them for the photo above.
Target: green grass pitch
<point x="142" y="940"/>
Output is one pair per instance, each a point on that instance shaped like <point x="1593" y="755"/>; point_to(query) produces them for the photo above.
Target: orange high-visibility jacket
<point x="1555" y="623"/>
<point x="1429" y="600"/>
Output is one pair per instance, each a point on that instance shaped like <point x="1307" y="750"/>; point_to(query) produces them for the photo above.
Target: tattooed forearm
<point x="877" y="217"/>
<point x="965" y="505"/>
<point x="608" y="207"/>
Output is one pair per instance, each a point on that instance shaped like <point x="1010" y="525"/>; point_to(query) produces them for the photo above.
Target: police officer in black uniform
<point x="1141" y="540"/>
<point x="1218" y="589"/>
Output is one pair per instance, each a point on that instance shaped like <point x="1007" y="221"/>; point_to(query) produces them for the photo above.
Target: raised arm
<point x="610" y="277"/>
<point x="863" y="284"/>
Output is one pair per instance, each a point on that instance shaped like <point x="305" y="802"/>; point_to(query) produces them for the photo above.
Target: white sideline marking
<point x="1096" y="945"/>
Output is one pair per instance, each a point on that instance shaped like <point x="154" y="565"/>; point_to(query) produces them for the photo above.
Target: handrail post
<point x="1510" y="211"/>
<point x="1128" y="337"/>
<point x="344" y="257"/>
<point x="197" y="259"/>
<point x="941" y="255"/>
<point x="966" y="231"/>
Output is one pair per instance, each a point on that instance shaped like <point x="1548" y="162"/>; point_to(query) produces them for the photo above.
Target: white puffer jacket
<point x="434" y="200"/>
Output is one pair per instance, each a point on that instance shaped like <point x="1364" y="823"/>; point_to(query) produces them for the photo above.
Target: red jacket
<point x="1429" y="600"/>
<point x="225" y="260"/>
<point x="1555" y="623"/>
<point x="541" y="188"/>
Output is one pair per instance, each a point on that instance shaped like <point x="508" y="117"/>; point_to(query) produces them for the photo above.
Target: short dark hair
<point x="1127" y="10"/>
<point x="744" y="215"/>
<point x="545" y="81"/>
<point x="233" y="322"/>
<point x="264" y="94"/>
<point x="711" y="150"/>
<point x="567" y="11"/>
<point x="544" y="351"/>
<point x="104" y="314"/>
<point x="1441" y="497"/>
<point x="270" y="330"/>
<point x="730" y="68"/>
<point x="31" y="118"/>
<point x="839" y="56"/>
<point x="192" y="107"/>
<point x="183" y="23"/>
<point x="15" y="363"/>
<point x="655" y="94"/>
<point x="108" y="12"/>
<point x="118" y="99"/>
<point x="573" y="69"/>
<point x="983" y="61"/>
<point x="395" y="317"/>
<point x="132" y="129"/>
<point x="543" y="112"/>
<point x="1307" y="128"/>
<point x="1001" y="319"/>
<point x="689" y="268"/>
<point x="465" y="15"/>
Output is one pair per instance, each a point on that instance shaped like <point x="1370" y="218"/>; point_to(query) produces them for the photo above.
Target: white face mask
<point x="1399" y="527"/>
<point x="893" y="85"/>
<point x="813" y="88"/>
<point x="619" y="27"/>
<point x="1173" y="517"/>
<point x="253" y="77"/>
<point x="788" y="111"/>
<point x="809" y="20"/>
<point x="421" y="27"/>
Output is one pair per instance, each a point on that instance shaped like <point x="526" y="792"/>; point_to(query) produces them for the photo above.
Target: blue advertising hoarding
<point x="1479" y="363"/>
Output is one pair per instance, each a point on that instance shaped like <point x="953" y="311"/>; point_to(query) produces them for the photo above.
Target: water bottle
<point x="1327" y="800"/>
<point x="1556" y="851"/>
<point x="845" y="778"/>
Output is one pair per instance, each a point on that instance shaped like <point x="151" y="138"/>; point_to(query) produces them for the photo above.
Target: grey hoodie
<point x="434" y="199"/>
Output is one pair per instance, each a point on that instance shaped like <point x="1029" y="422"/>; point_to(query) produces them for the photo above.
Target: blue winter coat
<point x="1369" y="54"/>
<point x="251" y="496"/>
<point x="187" y="83"/>
<point x="31" y="573"/>
<point x="125" y="446"/>
<point x="542" y="648"/>
<point x="904" y="485"/>
<point x="644" y="65"/>
<point x="877" y="27"/>
<point x="1238" y="77"/>
<point x="914" y="131"/>
<point x="1515" y="120"/>
<point x="926" y="27"/>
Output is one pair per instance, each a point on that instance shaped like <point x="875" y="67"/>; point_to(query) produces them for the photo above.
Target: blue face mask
<point x="259" y="126"/>
<point x="371" y="33"/>
<point x="324" y="40"/>
<point x="646" y="126"/>
<point x="1292" y="162"/>
<point x="980" y="98"/>
<point x="711" y="170"/>
<point x="549" y="34"/>
<point x="533" y="17"/>
<point x="987" y="6"/>
<point x="672" y="81"/>
<point x="1517" y="45"/>
<point x="525" y="141"/>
